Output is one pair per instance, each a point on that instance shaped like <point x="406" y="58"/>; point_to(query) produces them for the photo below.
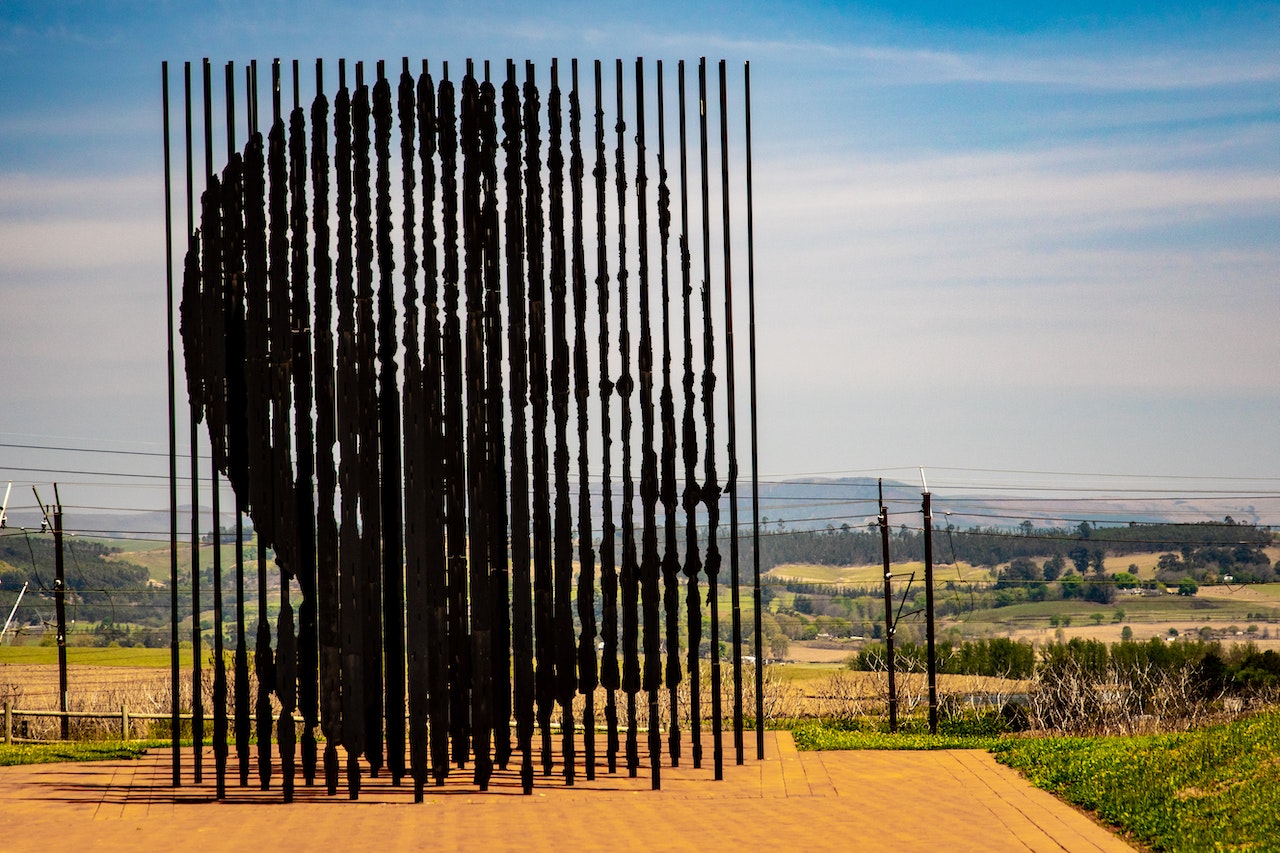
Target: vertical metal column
<point x="197" y="634"/>
<point x="755" y="457"/>
<point x="890" y="624"/>
<point x="175" y="681"/>
<point x="731" y="486"/>
<point x="930" y="636"/>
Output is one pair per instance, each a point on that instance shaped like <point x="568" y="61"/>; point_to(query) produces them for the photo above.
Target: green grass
<point x="49" y="753"/>
<point x="968" y="732"/>
<point x="84" y="655"/>
<point x="802" y="672"/>
<point x="1165" y="608"/>
<point x="1215" y="789"/>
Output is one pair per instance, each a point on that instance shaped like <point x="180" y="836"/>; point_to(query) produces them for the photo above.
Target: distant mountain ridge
<point x="811" y="503"/>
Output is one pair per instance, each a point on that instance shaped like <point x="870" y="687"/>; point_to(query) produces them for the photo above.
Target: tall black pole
<point x="889" y="626"/>
<point x="692" y="496"/>
<point x="389" y="433"/>
<point x="757" y="601"/>
<point x="326" y="436"/>
<point x="417" y="597"/>
<point x="652" y="675"/>
<point x="609" y="676"/>
<point x="370" y="571"/>
<point x="194" y="384"/>
<point x="517" y="344"/>
<point x="304" y="443"/>
<point x="930" y="635"/>
<point x="498" y="578"/>
<point x="478" y="470"/>
<point x="351" y="589"/>
<point x="60" y="611"/>
<point x="731" y="487"/>
<point x="233" y="272"/>
<point x="210" y="269"/>
<point x="564" y="645"/>
<point x="588" y="671"/>
<point x="543" y="596"/>
<point x="667" y="488"/>
<point x="711" y="488"/>
<point x="629" y="586"/>
<point x="433" y="452"/>
<point x="455" y="469"/>
<point x="175" y="683"/>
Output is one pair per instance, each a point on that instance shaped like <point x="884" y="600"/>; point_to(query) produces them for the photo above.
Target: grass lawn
<point x="87" y="656"/>
<point x="1213" y="789"/>
<point x="48" y="753"/>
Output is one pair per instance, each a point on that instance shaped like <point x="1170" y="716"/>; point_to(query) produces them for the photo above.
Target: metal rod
<point x="588" y="671"/>
<point x="648" y="568"/>
<point x="890" y="625"/>
<point x="497" y="565"/>
<point x="731" y="487"/>
<point x="757" y="601"/>
<point x="304" y="527"/>
<point x="562" y="534"/>
<point x="329" y="628"/>
<point x="211" y="236"/>
<point x="711" y="488"/>
<point x="518" y="345"/>
<point x="930" y="633"/>
<point x="390" y="443"/>
<point x="434" y="452"/>
<point x="477" y="468"/>
<point x="417" y="597"/>
<point x="610" y="677"/>
<point x="351" y="589"/>
<point x="667" y="488"/>
<point x="454" y="434"/>
<point x="692" y="491"/>
<point x="543" y="594"/>
<point x="625" y="386"/>
<point x="175" y="681"/>
<point x="193" y="373"/>
<point x="60" y="609"/>
<point x="233" y="260"/>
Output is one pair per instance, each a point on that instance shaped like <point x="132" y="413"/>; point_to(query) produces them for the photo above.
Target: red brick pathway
<point x="811" y="801"/>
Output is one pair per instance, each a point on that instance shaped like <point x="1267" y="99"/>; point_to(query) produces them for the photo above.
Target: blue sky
<point x="989" y="235"/>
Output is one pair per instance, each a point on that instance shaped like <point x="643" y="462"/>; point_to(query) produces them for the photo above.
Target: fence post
<point x="8" y="722"/>
<point x="124" y="722"/>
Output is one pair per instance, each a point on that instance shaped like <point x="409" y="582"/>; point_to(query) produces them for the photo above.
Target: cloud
<point x="52" y="223"/>
<point x="1068" y="267"/>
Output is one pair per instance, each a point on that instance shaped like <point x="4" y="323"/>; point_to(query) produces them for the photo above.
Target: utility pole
<point x="889" y="621"/>
<point x="930" y="634"/>
<point x="59" y="602"/>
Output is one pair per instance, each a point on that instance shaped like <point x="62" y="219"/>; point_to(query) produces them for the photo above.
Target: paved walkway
<point x="811" y="801"/>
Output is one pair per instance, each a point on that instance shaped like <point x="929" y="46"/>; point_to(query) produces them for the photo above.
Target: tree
<point x="1126" y="580"/>
<point x="1079" y="557"/>
<point x="1053" y="567"/>
<point x="1019" y="572"/>
<point x="1126" y="633"/>
<point x="1099" y="593"/>
<point x="1188" y="586"/>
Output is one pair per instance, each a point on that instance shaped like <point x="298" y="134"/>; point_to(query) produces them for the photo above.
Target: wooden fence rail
<point x="124" y="715"/>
